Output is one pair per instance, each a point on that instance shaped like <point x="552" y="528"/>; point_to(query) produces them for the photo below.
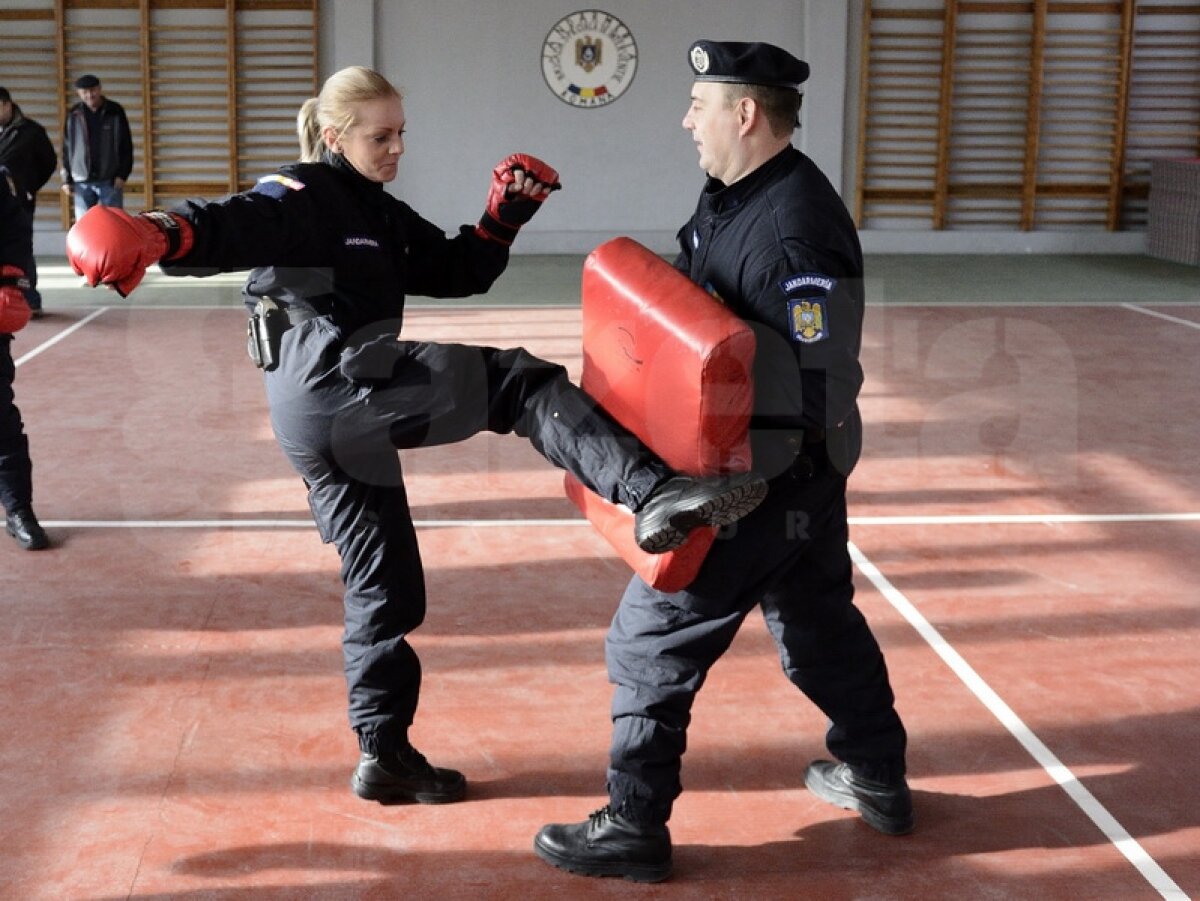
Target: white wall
<point x="472" y="77"/>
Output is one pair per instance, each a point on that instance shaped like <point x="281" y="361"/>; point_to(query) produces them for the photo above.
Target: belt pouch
<point x="264" y="333"/>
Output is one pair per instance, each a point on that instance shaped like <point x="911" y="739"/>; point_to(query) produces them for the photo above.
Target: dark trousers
<point x="16" y="470"/>
<point x="790" y="558"/>
<point x="340" y="415"/>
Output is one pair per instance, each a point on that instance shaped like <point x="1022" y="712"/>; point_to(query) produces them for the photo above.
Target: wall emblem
<point x="589" y="58"/>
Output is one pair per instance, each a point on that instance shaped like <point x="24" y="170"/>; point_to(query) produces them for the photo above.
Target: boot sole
<point x="388" y="794"/>
<point x="633" y="872"/>
<point x="722" y="510"/>
<point x="847" y="801"/>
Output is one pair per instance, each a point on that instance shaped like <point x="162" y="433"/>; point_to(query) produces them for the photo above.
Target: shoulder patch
<point x="277" y="185"/>
<point x="807" y="296"/>
<point x="809" y="320"/>
<point x="808" y="283"/>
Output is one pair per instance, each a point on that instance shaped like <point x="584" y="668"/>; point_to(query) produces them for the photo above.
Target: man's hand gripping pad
<point x="672" y="365"/>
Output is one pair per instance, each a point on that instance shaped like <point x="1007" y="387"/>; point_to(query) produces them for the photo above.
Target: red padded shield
<point x="672" y="365"/>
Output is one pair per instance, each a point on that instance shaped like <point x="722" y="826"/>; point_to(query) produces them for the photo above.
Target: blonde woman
<point x="334" y="256"/>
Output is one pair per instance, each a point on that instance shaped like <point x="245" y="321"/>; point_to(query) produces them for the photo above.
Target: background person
<point x="772" y="240"/>
<point x="97" y="152"/>
<point x="16" y="470"/>
<point x="337" y="257"/>
<point x="28" y="154"/>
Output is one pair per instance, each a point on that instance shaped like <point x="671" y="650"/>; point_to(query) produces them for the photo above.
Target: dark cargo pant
<point x="340" y="416"/>
<point x="790" y="558"/>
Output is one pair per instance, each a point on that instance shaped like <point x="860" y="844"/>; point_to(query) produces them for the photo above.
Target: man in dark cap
<point x="772" y="240"/>
<point x="28" y="154"/>
<point x="97" y="154"/>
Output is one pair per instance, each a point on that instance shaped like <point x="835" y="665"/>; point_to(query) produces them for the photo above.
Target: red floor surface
<point x="173" y="705"/>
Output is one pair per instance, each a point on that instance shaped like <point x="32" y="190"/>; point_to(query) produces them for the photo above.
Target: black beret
<point x="87" y="81"/>
<point x="734" y="62"/>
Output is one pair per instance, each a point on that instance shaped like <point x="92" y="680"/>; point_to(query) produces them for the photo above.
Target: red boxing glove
<point x="508" y="210"/>
<point x="14" y="308"/>
<point x="110" y="247"/>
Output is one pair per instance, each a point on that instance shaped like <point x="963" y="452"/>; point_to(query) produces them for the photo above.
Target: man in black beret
<point x="773" y="241"/>
<point x="97" y="151"/>
<point x="732" y="62"/>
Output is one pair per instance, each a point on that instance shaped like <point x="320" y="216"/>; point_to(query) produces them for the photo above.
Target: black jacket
<point x="320" y="235"/>
<point x="15" y="239"/>
<point x="115" y="158"/>
<point x="28" y="154"/>
<point x="779" y="248"/>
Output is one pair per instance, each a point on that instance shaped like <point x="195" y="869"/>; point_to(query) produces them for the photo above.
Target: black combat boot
<point x="886" y="806"/>
<point x="683" y="503"/>
<point x="405" y="775"/>
<point x="607" y="845"/>
<point x="22" y="525"/>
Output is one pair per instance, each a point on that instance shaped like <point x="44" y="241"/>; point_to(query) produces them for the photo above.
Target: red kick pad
<point x="672" y="365"/>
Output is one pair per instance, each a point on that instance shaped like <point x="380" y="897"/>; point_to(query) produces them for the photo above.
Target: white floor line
<point x="233" y="306"/>
<point x="1013" y="519"/>
<point x="177" y="523"/>
<point x="1086" y="801"/>
<point x="294" y="523"/>
<point x="1042" y="304"/>
<point x="154" y="276"/>
<point x="1003" y="519"/>
<point x="1140" y="309"/>
<point x="484" y="305"/>
<point x="50" y="342"/>
<point x="409" y="304"/>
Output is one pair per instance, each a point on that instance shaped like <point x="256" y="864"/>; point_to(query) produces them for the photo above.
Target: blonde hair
<point x="334" y="106"/>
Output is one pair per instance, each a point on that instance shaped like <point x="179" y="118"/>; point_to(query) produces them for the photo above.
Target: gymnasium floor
<point x="1026" y="524"/>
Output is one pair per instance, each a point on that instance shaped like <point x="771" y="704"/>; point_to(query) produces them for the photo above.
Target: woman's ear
<point x="330" y="136"/>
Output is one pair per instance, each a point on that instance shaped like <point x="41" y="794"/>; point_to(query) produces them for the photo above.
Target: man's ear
<point x="747" y="112"/>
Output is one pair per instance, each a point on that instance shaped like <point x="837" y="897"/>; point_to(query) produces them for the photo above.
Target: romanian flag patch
<point x="277" y="185"/>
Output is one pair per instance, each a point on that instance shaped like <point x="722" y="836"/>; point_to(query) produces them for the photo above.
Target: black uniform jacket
<point x="322" y="236"/>
<point x="779" y="248"/>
